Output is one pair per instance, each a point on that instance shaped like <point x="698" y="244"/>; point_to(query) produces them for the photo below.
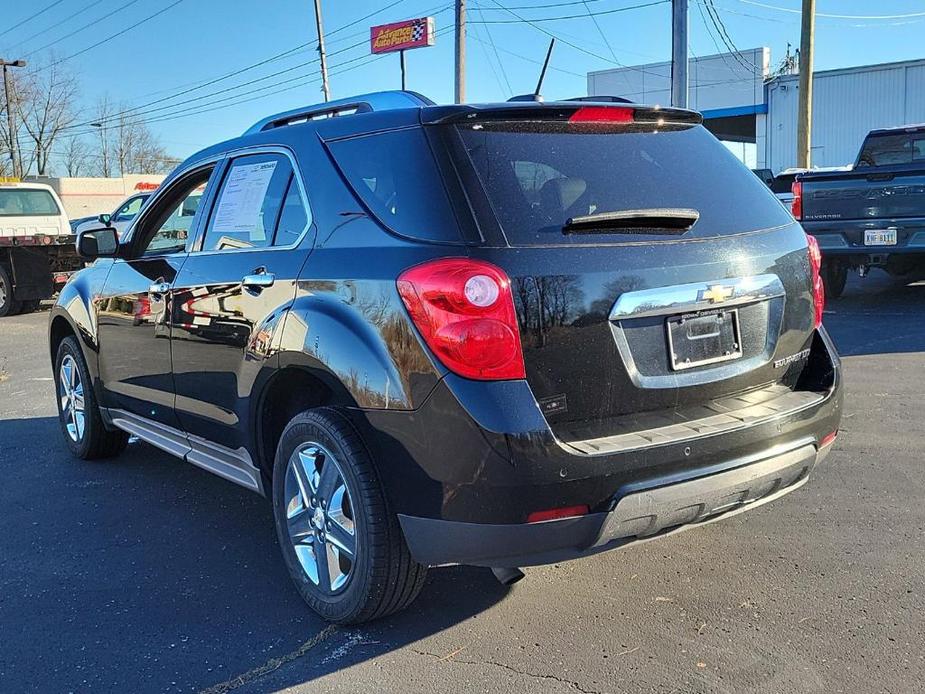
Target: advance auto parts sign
<point x="400" y="36"/>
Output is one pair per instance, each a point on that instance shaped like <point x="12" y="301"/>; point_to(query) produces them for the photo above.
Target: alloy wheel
<point x="4" y="294"/>
<point x="320" y="517"/>
<point x="71" y="395"/>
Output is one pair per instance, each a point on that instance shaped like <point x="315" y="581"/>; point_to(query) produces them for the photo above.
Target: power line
<point x="86" y="26"/>
<point x="570" y="16"/>
<point x="575" y="46"/>
<point x="118" y="33"/>
<point x="57" y="24"/>
<point x="907" y="15"/>
<point x="228" y="75"/>
<point x="494" y="48"/>
<point x="30" y="18"/>
<point x="253" y="95"/>
<point x="533" y="60"/>
<point x="727" y="39"/>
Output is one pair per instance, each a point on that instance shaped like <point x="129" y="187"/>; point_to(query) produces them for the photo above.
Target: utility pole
<point x="460" y="51"/>
<point x="10" y="120"/>
<point x="324" y="60"/>
<point x="805" y="119"/>
<point x="679" y="26"/>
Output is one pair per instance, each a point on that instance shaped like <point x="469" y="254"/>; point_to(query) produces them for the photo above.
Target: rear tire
<point x="8" y="304"/>
<point x="834" y="276"/>
<point x="330" y="511"/>
<point x="29" y="306"/>
<point x="78" y="413"/>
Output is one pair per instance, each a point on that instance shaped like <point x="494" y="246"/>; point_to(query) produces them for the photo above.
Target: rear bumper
<point x="637" y="516"/>
<point x="847" y="238"/>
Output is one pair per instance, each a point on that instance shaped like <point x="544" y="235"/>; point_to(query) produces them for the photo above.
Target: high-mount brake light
<point x="796" y="206"/>
<point x="603" y="114"/>
<point x="464" y="310"/>
<point x="815" y="273"/>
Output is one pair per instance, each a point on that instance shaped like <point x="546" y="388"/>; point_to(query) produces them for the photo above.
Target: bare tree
<point x="75" y="156"/>
<point x="126" y="143"/>
<point x="102" y="113"/>
<point x="47" y="108"/>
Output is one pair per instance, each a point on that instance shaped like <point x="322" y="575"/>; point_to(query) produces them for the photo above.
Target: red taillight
<point x="464" y="310"/>
<point x="815" y="265"/>
<point x="796" y="207"/>
<point x="558" y="513"/>
<point x="603" y="114"/>
<point x="828" y="439"/>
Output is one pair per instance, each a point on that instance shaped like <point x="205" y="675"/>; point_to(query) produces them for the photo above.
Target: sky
<point x="178" y="45"/>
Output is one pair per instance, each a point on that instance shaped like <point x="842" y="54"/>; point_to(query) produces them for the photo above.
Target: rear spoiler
<point x="574" y="111"/>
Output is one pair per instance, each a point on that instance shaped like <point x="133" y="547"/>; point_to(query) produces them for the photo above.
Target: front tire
<point x="343" y="547"/>
<point x="8" y="304"/>
<point x="81" y="423"/>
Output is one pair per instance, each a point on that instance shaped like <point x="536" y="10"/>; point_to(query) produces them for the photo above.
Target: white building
<point x="741" y="103"/>
<point x="88" y="197"/>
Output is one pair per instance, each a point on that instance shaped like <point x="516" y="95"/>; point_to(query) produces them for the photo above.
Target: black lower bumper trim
<point x="635" y="517"/>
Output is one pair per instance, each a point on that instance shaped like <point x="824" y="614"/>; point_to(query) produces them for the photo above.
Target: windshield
<point x="537" y="176"/>
<point x="27" y="202"/>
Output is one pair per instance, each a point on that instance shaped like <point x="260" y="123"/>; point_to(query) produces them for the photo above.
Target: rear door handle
<point x="260" y="280"/>
<point x="159" y="288"/>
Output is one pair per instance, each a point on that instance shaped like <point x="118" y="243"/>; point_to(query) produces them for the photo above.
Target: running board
<point x="233" y="465"/>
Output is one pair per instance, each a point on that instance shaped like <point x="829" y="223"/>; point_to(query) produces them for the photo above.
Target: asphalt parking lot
<point x="147" y="574"/>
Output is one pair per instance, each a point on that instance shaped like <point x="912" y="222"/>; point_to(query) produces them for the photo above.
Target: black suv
<point x="500" y="335"/>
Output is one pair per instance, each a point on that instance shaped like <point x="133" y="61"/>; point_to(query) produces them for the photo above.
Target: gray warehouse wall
<point x="847" y="104"/>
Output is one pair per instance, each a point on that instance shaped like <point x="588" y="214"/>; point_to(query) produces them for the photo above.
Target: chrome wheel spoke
<point x="320" y="518"/>
<point x="306" y="555"/>
<point x="301" y="526"/>
<point x="322" y="552"/>
<point x="71" y="395"/>
<point x="306" y="473"/>
<point x="329" y="481"/>
<point x="338" y="537"/>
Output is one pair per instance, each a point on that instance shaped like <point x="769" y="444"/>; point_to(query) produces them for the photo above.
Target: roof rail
<point x="365" y="103"/>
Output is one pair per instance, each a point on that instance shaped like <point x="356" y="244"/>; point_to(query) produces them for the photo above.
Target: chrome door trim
<point x="690" y="298"/>
<point x="233" y="465"/>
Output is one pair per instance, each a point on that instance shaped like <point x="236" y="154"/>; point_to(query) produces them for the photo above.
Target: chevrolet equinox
<point x="500" y="335"/>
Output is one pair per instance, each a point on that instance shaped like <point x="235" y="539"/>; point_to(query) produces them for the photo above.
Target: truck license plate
<point x="703" y="338"/>
<point x="880" y="237"/>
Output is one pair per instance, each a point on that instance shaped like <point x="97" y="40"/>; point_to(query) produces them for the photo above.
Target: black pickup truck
<point x="872" y="215"/>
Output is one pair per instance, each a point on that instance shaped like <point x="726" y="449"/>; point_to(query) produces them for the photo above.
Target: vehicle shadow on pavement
<point x="878" y="315"/>
<point x="145" y="573"/>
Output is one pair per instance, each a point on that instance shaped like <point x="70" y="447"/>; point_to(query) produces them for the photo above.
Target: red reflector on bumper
<point x="828" y="439"/>
<point x="558" y="513"/>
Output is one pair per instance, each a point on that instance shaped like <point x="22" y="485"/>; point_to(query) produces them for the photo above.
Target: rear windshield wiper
<point x="646" y="221"/>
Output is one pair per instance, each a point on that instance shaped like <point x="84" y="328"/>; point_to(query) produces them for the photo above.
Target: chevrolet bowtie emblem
<point x="716" y="294"/>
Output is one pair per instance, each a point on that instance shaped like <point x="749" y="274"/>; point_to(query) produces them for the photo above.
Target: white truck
<point x="37" y="252"/>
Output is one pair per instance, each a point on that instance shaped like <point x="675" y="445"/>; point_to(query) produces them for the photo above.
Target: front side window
<point x="253" y="200"/>
<point x="167" y="227"/>
<point x="25" y="202"/>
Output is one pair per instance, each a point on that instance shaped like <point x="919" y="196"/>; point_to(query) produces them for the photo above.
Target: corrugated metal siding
<point x="846" y="105"/>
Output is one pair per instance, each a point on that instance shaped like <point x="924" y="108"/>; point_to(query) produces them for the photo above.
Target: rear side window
<point x="23" y="202"/>
<point x="397" y="179"/>
<point x="883" y="150"/>
<point x="537" y="176"/>
<point x="250" y="202"/>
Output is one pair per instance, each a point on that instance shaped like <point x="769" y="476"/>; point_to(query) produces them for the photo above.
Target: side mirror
<point x="98" y="243"/>
<point x="105" y="219"/>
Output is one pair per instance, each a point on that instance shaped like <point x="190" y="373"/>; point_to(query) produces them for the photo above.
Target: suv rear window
<point x="539" y="175"/>
<point x="25" y="202"/>
<point x="396" y="177"/>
